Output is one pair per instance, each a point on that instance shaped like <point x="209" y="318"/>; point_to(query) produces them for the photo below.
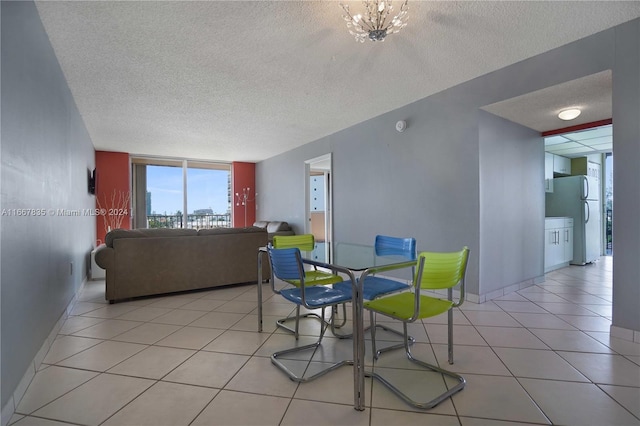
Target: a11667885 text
<point x="28" y="212"/>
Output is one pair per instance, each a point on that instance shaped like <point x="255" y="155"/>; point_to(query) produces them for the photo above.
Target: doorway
<point x="587" y="152"/>
<point x="318" y="209"/>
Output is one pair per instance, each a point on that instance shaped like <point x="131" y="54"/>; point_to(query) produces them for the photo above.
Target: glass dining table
<point x="356" y="261"/>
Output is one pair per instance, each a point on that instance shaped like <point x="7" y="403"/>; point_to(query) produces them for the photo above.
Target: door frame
<point x="322" y="163"/>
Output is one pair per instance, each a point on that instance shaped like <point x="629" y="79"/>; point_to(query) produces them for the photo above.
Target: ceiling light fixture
<point x="569" y="114"/>
<point x="377" y="21"/>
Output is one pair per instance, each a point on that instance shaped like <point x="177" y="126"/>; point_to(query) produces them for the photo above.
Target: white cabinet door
<point x="561" y="165"/>
<point x="558" y="242"/>
<point x="548" y="172"/>
<point x="567" y="234"/>
<point x="550" y="248"/>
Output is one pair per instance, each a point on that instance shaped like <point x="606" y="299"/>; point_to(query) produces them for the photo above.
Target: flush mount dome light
<point x="569" y="114"/>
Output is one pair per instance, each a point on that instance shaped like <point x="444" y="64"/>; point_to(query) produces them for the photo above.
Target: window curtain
<point x="140" y="196"/>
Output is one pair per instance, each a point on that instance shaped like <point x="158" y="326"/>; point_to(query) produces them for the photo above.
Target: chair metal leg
<point x="344" y="321"/>
<point x="344" y="315"/>
<point x="375" y="352"/>
<point x="295" y="331"/>
<point x="435" y="401"/>
<point x="276" y="361"/>
<point x="450" y="335"/>
<point x="450" y="328"/>
<point x="281" y="322"/>
<point x="372" y="320"/>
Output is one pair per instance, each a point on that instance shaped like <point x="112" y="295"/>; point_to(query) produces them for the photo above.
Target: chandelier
<point x="377" y="22"/>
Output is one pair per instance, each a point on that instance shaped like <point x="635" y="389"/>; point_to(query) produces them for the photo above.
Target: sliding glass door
<point x="208" y="198"/>
<point x="164" y="197"/>
<point x="181" y="194"/>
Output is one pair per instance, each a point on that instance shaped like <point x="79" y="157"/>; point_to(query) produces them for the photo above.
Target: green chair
<point x="436" y="271"/>
<point x="304" y="242"/>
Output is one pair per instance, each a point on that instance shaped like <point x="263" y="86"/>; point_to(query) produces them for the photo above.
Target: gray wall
<point x="626" y="178"/>
<point x="45" y="155"/>
<point x="511" y="203"/>
<point x="434" y="181"/>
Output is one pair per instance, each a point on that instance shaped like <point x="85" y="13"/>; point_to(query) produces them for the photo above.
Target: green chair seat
<point x="401" y="306"/>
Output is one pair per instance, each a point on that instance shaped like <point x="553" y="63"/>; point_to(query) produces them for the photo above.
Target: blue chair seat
<point x="317" y="296"/>
<point x="373" y="287"/>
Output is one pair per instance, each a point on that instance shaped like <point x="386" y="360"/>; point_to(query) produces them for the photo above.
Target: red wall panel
<point x="243" y="182"/>
<point x="113" y="191"/>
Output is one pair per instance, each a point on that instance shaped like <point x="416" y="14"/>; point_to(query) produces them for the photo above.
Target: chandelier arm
<point x="378" y="21"/>
<point x="383" y="16"/>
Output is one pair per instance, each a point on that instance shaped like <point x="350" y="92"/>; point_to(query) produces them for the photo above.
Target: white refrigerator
<point x="578" y="197"/>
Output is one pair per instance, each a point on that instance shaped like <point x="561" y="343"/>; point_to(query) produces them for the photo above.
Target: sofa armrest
<point x="105" y="257"/>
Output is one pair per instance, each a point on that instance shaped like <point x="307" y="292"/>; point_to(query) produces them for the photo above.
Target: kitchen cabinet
<point x="558" y="242"/>
<point x="548" y="172"/>
<point x="582" y="166"/>
<point x="567" y="235"/>
<point x="561" y="165"/>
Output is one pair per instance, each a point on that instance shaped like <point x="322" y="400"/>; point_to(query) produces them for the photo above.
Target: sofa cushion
<point x="277" y="227"/>
<point x="146" y="233"/>
<point x="219" y="231"/>
<point x="261" y="223"/>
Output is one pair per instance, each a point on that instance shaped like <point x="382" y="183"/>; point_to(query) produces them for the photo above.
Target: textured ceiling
<point x="244" y="81"/>
<point x="539" y="110"/>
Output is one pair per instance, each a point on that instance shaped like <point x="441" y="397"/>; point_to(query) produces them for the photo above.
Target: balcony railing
<point x="194" y="221"/>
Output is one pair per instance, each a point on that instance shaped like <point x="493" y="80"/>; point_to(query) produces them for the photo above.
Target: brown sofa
<point x="274" y="228"/>
<point x="145" y="262"/>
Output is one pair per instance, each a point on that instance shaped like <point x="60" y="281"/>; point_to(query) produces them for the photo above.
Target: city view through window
<point x="207" y="202"/>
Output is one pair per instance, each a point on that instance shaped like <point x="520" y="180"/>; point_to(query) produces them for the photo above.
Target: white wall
<point x="511" y="204"/>
<point x="626" y="178"/>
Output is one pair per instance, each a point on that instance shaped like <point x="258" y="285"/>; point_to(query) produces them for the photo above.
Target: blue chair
<point x="304" y="242"/>
<point x="287" y="265"/>
<point x="374" y="286"/>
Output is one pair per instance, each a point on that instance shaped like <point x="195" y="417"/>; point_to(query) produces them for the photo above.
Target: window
<point x="181" y="194"/>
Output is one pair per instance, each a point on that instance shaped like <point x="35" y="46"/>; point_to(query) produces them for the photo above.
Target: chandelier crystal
<point x="378" y="20"/>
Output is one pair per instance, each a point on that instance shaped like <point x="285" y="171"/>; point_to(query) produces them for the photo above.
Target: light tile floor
<point x="542" y="355"/>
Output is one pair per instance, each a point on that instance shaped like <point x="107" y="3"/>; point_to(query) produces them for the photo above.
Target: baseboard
<point x="475" y="298"/>
<point x="625" y="333"/>
<point x="10" y="407"/>
<point x="481" y="298"/>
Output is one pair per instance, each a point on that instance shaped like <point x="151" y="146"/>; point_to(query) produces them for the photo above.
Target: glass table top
<point x="359" y="257"/>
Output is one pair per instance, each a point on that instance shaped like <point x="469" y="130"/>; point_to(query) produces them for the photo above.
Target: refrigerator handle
<point x="586" y="195"/>
<point x="587" y="212"/>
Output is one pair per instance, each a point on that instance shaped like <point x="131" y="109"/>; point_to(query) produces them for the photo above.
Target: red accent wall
<point x="113" y="187"/>
<point x="578" y="127"/>
<point x="243" y="175"/>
